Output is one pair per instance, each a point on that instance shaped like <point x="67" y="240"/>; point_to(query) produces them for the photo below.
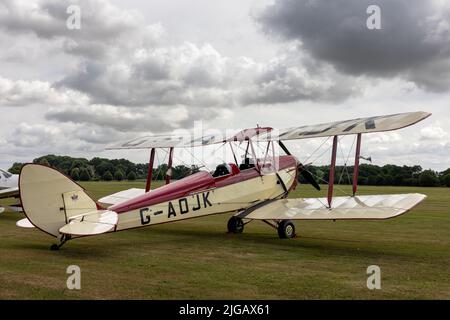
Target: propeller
<point x="302" y="171"/>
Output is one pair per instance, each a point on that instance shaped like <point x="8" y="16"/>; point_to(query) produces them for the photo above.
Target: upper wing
<point x="355" y="126"/>
<point x="362" y="125"/>
<point x="358" y="207"/>
<point x="190" y="139"/>
<point x="9" y="193"/>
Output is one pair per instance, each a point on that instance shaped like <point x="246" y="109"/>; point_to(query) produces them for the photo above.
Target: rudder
<point x="49" y="198"/>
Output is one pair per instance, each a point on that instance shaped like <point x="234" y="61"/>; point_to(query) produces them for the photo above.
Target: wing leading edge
<point x="358" y="207"/>
<point x="354" y="126"/>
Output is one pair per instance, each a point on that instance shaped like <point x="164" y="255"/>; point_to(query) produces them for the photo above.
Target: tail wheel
<point x="286" y="229"/>
<point x="235" y="225"/>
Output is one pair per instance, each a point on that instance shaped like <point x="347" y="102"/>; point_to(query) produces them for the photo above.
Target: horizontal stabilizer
<point x="24" y="223"/>
<point x="358" y="207"/>
<point x="91" y="223"/>
<point x="121" y="196"/>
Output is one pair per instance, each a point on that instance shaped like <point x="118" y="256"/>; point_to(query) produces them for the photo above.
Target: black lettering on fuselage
<point x="145" y="218"/>
<point x="197" y="207"/>
<point x="184" y="207"/>
<point x="171" y="210"/>
<point x="205" y="200"/>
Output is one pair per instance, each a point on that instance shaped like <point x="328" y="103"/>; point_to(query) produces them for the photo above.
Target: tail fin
<point x="51" y="200"/>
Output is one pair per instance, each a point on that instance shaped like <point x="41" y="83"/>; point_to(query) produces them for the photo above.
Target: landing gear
<point x="286" y="229"/>
<point x="235" y="225"/>
<point x="63" y="239"/>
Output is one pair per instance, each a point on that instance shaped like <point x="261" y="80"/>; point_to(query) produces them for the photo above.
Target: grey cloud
<point x="294" y="76"/>
<point x="201" y="77"/>
<point x="126" y="119"/>
<point x="27" y="93"/>
<point x="47" y="19"/>
<point x="101" y="23"/>
<point x="413" y="42"/>
<point x="30" y="139"/>
<point x="187" y="75"/>
<point x="120" y="63"/>
<point x="108" y="117"/>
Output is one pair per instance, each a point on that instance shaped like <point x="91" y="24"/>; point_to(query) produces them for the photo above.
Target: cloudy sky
<point x="139" y="67"/>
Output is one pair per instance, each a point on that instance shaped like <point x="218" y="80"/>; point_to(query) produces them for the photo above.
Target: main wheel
<point x="286" y="229"/>
<point x="235" y="225"/>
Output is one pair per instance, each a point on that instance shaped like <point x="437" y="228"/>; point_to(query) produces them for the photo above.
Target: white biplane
<point x="255" y="189"/>
<point x="9" y="189"/>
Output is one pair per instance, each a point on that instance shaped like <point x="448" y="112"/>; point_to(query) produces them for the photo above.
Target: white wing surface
<point x="121" y="196"/>
<point x="355" y="126"/>
<point x="358" y="207"/>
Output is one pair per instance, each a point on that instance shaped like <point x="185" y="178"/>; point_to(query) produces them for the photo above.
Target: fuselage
<point x="201" y="194"/>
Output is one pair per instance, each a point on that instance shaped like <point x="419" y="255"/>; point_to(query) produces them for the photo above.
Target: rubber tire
<point x="235" y="225"/>
<point x="54" y="247"/>
<point x="286" y="229"/>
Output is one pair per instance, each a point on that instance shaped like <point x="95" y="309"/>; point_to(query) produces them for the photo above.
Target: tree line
<point x="387" y="175"/>
<point x="101" y="169"/>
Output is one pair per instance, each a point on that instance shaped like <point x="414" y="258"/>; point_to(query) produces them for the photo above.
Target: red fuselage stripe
<point x="194" y="183"/>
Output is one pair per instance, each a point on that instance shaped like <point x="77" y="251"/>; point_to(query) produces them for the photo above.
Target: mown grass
<point x="197" y="259"/>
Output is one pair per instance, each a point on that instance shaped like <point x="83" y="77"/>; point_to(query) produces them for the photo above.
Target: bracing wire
<point x="159" y="163"/>
<point x="196" y="159"/>
<point x="317" y="149"/>
<point x="345" y="160"/>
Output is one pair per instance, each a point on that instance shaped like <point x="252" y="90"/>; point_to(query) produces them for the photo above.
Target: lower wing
<point x="358" y="207"/>
<point x="9" y="193"/>
<point x="121" y="196"/>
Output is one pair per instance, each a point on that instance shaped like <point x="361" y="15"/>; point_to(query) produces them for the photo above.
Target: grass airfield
<point x="197" y="259"/>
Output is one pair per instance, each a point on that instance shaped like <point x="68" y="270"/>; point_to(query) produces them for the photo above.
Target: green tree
<point x="379" y="180"/>
<point x="387" y="180"/>
<point x="44" y="162"/>
<point x="103" y="166"/>
<point x="428" y="178"/>
<point x="119" y="175"/>
<point x="446" y="180"/>
<point x="16" y="167"/>
<point x="180" y="172"/>
<point x="84" y="174"/>
<point x="75" y="174"/>
<point x="131" y="176"/>
<point x="107" y="176"/>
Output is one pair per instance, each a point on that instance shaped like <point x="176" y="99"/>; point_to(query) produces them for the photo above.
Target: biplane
<point x="254" y="189"/>
<point x="9" y="189"/>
